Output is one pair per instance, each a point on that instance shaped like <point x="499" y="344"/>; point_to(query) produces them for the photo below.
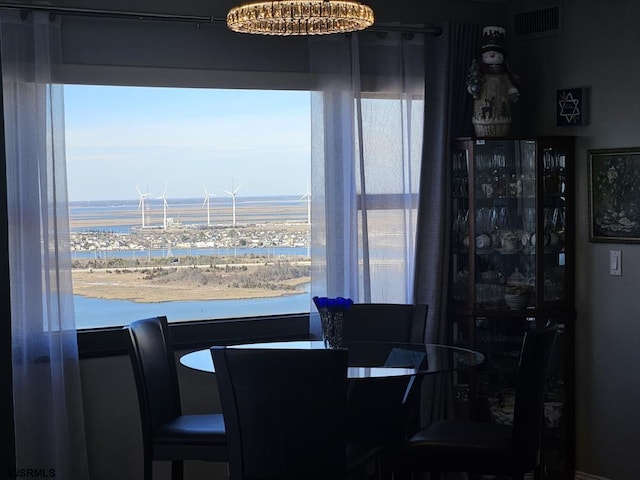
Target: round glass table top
<point x="368" y="359"/>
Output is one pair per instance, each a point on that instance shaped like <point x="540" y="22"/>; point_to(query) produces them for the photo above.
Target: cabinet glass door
<point x="553" y="220"/>
<point x="460" y="225"/>
<point x="509" y="224"/>
<point x="505" y="224"/>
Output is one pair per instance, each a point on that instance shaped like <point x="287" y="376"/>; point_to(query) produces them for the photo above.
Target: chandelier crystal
<point x="300" y="17"/>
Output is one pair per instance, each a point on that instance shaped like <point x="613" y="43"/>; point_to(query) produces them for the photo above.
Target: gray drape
<point x="447" y="114"/>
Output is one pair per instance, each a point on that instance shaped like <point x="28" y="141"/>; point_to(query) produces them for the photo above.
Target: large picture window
<point x="190" y="203"/>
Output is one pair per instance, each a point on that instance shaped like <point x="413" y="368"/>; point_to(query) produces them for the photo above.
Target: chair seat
<point x="192" y="430"/>
<point x="484" y="447"/>
<point x="471" y="446"/>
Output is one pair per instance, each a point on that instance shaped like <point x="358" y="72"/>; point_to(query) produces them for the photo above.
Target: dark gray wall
<point x="599" y="49"/>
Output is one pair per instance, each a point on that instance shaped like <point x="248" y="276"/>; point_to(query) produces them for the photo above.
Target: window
<point x="190" y="203"/>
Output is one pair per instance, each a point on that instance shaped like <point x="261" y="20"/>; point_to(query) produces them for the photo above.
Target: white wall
<point x="599" y="49"/>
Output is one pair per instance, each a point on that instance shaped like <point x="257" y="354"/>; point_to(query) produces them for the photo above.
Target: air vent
<point x="537" y="23"/>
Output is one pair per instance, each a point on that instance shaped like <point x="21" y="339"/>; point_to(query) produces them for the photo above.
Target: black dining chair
<point x="388" y="322"/>
<point x="285" y="412"/>
<point x="385" y="411"/>
<point x="486" y="448"/>
<point x="167" y="434"/>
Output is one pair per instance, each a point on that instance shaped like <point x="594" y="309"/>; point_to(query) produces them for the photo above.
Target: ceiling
<point x="386" y="11"/>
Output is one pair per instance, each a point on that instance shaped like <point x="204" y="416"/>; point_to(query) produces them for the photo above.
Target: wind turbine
<point x="308" y="197"/>
<point x="164" y="205"/>
<point x="207" y="197"/>
<point x="233" y="200"/>
<point x="141" y="205"/>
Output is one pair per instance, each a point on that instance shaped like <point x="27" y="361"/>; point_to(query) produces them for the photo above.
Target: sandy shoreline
<point x="134" y="286"/>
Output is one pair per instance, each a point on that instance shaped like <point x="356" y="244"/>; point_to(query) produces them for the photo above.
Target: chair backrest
<point x="285" y="412"/>
<point x="391" y="322"/>
<point x="154" y="369"/>
<point x="530" y="389"/>
<point x="396" y="407"/>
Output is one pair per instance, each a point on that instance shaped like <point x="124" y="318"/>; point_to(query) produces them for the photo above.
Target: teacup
<point x="524" y="237"/>
<point x="495" y="238"/>
<point x="483" y="241"/>
<point x="510" y="241"/>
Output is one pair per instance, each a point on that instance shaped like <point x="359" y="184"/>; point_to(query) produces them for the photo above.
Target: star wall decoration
<point x="571" y="105"/>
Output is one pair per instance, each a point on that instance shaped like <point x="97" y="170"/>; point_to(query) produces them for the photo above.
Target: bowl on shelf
<point x="516" y="301"/>
<point x="489" y="276"/>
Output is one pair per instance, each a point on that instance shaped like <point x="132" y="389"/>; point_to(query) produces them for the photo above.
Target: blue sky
<point x="120" y="138"/>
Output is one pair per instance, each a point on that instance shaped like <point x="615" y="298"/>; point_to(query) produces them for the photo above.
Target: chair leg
<point x="147" y="463"/>
<point x="402" y="473"/>
<point x="385" y="466"/>
<point x="177" y="469"/>
<point x="148" y="469"/>
<point x="540" y="472"/>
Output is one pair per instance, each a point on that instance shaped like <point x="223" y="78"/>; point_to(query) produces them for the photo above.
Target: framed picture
<point x="614" y="195"/>
<point x="572" y="106"/>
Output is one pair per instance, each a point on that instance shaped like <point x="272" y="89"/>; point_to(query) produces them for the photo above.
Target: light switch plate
<point x="615" y="262"/>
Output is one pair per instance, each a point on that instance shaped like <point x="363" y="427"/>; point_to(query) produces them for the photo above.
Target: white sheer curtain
<point x="367" y="126"/>
<point x="49" y="421"/>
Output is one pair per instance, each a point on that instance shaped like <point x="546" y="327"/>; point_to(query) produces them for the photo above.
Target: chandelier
<point x="300" y="17"/>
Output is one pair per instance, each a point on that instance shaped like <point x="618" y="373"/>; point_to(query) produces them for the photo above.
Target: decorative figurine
<point x="491" y="84"/>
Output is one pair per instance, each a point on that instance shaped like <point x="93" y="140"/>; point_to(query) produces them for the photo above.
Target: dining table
<point x="383" y="394"/>
<point x="367" y="359"/>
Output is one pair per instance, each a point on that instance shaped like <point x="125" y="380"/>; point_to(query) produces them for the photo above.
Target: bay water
<point x="97" y="312"/>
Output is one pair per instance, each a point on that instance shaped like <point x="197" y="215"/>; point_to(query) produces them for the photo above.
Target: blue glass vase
<point x="331" y="322"/>
<point x="332" y="312"/>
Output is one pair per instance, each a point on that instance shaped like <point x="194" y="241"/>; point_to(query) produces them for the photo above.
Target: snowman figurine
<point x="491" y="85"/>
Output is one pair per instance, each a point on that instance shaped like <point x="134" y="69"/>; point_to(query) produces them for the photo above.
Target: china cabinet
<point x="512" y="269"/>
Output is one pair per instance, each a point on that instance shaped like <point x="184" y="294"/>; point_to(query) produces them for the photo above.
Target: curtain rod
<point x="198" y="19"/>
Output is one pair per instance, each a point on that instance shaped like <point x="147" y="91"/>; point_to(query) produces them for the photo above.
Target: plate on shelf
<point x="509" y="251"/>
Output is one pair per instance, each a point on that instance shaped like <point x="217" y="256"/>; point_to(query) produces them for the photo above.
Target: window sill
<point x="111" y="341"/>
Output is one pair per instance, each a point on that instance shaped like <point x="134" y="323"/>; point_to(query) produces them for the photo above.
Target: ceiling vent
<point x="538" y="23"/>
